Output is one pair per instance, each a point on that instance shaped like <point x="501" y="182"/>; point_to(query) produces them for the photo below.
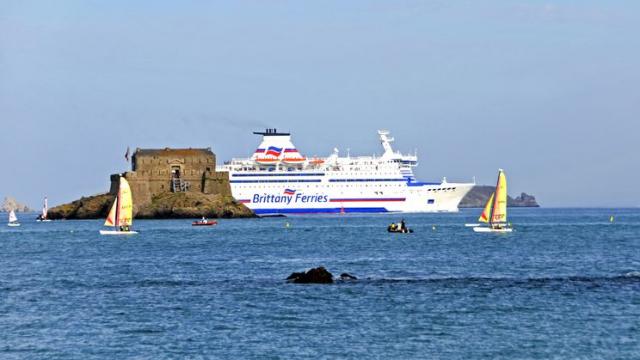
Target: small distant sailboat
<point x="13" y="219"/>
<point x="495" y="211"/>
<point x="45" y="211"/>
<point x="121" y="213"/>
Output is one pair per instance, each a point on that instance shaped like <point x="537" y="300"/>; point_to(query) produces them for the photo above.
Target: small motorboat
<point x="204" y="222"/>
<point x="403" y="231"/>
<point x="399" y="228"/>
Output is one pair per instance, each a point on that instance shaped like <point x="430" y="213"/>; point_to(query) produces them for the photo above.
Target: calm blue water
<point x="566" y="284"/>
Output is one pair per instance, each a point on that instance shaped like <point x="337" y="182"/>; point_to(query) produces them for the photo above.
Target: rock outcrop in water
<point x="163" y="206"/>
<point x="90" y="207"/>
<point x="11" y="204"/>
<point x="318" y="275"/>
<point x="479" y="195"/>
<point x="347" y="277"/>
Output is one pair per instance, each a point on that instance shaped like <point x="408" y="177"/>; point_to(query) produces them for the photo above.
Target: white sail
<point x="13" y="217"/>
<point x="45" y="208"/>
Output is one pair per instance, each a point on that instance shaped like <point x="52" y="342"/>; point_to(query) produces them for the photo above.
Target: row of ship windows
<point x="321" y="186"/>
<point x="343" y="186"/>
<point x="341" y="172"/>
<point x="349" y="167"/>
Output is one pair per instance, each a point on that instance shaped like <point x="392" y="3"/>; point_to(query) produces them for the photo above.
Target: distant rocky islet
<point x="11" y="204"/>
<point x="480" y="194"/>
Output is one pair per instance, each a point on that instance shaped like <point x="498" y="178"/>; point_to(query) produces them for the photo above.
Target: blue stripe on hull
<point x="321" y="210"/>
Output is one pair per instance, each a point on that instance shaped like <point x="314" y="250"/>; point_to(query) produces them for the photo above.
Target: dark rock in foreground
<point x="479" y="195"/>
<point x="318" y="275"/>
<point x="347" y="276"/>
<point x="164" y="206"/>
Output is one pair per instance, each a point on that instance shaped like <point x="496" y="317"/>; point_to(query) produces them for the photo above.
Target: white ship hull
<point x="270" y="185"/>
<point x="324" y="196"/>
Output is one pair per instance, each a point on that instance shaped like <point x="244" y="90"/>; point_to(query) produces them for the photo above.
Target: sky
<point x="547" y="90"/>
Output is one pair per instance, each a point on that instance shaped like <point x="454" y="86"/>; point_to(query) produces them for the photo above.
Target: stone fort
<point x="157" y="171"/>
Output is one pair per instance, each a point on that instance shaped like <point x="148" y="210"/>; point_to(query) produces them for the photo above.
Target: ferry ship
<point x="278" y="180"/>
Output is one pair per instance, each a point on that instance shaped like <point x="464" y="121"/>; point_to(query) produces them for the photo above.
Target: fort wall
<point x="159" y="171"/>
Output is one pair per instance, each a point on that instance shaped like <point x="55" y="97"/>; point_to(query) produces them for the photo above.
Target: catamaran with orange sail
<point x="495" y="211"/>
<point x="121" y="213"/>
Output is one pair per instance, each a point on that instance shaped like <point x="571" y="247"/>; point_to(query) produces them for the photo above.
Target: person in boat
<point x="400" y="227"/>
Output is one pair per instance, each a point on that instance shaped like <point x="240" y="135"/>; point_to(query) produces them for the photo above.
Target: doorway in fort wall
<point x="175" y="171"/>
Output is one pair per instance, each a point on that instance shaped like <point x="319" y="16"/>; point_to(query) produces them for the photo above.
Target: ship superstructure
<point x="278" y="179"/>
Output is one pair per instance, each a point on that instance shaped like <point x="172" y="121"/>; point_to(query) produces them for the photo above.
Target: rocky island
<point x="165" y="183"/>
<point x="479" y="195"/>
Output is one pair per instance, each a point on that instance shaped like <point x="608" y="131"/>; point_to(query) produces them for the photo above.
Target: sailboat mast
<point x="495" y="200"/>
<point x="117" y="220"/>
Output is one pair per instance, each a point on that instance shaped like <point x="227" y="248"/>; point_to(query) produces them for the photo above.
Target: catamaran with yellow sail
<point x="121" y="213"/>
<point x="495" y="211"/>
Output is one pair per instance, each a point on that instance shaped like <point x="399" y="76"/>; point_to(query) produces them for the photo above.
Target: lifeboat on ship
<point x="316" y="161"/>
<point x="293" y="156"/>
<point x="294" y="160"/>
<point x="267" y="160"/>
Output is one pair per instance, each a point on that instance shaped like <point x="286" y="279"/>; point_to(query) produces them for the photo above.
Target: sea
<point x="564" y="285"/>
